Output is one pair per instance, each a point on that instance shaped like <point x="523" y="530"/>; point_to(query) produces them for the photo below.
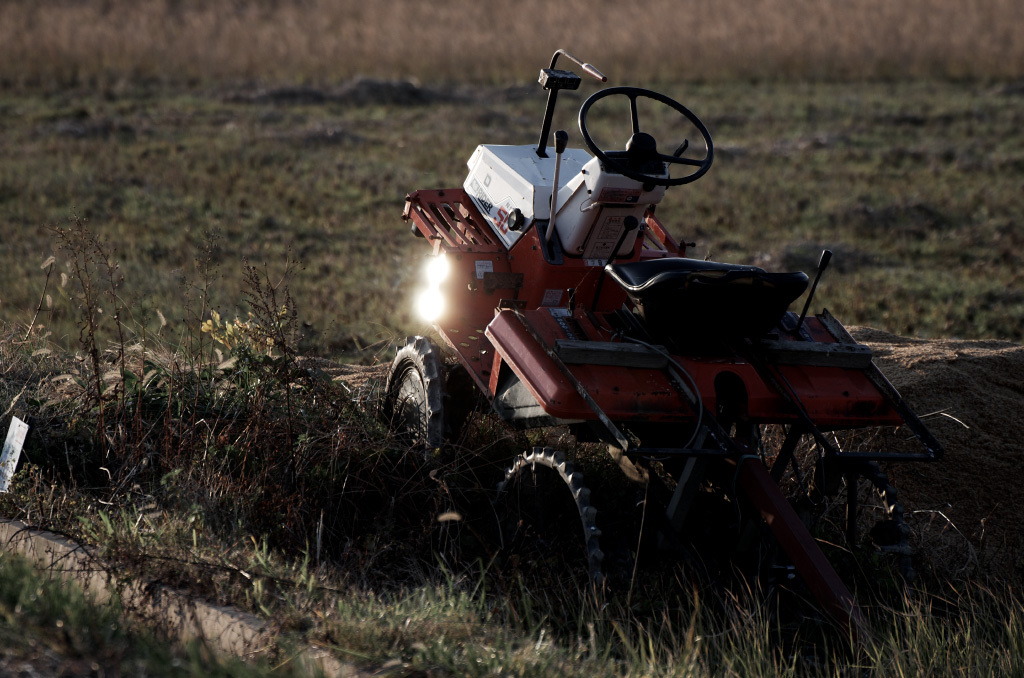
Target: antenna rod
<point x="826" y="256"/>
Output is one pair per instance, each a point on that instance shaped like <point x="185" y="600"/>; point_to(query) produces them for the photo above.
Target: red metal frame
<point x="516" y="307"/>
<point x="835" y="397"/>
<point x="819" y="575"/>
<point x="484" y="337"/>
<point x="453" y="225"/>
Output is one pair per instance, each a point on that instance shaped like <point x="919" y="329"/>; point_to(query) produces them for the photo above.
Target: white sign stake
<point x="12" y="451"/>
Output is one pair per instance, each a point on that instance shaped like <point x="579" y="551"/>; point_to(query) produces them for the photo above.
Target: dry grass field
<point x="168" y="166"/>
<point x="915" y="187"/>
<point x="890" y="131"/>
<point x="59" y="42"/>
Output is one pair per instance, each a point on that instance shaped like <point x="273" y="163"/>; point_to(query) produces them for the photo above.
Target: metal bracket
<point x="932" y="447"/>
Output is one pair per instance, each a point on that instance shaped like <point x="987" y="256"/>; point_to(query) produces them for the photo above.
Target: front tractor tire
<point x="414" y="395"/>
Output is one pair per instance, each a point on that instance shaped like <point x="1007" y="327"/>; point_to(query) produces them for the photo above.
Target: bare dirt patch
<point x="362" y="381"/>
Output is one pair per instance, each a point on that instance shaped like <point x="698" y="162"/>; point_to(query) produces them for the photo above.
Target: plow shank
<point x="799" y="545"/>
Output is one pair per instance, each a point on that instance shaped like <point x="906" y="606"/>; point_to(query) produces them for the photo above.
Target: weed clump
<point x="227" y="442"/>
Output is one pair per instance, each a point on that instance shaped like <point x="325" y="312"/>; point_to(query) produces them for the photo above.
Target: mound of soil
<point x="965" y="508"/>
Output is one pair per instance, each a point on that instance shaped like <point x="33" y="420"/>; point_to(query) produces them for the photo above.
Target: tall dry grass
<point x="102" y="41"/>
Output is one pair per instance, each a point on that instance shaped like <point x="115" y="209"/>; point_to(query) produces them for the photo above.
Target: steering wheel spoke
<point x="675" y="159"/>
<point x="644" y="147"/>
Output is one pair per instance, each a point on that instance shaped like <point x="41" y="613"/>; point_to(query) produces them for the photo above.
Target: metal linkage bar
<point x="757" y="484"/>
<point x="679" y="452"/>
<point x="782" y="386"/>
<point x="787" y="393"/>
<point x="791" y="533"/>
<point x="931" y="445"/>
<point x="785" y="454"/>
<point x="624" y="442"/>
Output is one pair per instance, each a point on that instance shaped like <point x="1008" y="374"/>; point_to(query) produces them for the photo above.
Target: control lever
<point x="826" y="256"/>
<point x="629" y="224"/>
<point x="553" y="80"/>
<point x="561" y="139"/>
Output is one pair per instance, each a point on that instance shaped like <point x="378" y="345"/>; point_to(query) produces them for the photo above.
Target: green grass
<point x="256" y="484"/>
<point x="52" y="628"/>
<point x="914" y="186"/>
<point x="455" y="629"/>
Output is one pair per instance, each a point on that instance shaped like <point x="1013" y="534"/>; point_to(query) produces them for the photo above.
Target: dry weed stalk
<point x="258" y="445"/>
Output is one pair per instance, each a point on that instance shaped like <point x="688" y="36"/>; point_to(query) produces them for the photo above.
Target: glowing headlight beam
<point x="438" y="269"/>
<point x="430" y="304"/>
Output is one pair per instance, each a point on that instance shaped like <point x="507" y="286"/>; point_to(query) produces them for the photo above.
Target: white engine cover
<point x="592" y="204"/>
<point x="502" y="178"/>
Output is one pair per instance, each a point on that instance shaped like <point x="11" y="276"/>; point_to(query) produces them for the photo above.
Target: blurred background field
<point x="72" y="42"/>
<point x="190" y="135"/>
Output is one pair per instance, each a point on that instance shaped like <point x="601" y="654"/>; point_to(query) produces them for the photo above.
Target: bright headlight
<point x="438" y="269"/>
<point x="430" y="304"/>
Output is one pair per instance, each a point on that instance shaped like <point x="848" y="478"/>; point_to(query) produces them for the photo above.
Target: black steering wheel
<point x="641" y="158"/>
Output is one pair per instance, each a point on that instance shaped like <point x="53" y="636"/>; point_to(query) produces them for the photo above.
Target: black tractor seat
<point x="689" y="302"/>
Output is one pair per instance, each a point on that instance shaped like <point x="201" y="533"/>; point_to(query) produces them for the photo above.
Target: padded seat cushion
<point x="690" y="302"/>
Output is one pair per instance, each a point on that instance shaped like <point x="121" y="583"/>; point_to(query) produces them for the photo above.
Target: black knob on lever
<point x="561" y="139"/>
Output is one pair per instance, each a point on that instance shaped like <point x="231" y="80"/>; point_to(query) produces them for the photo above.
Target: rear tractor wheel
<point x="542" y="505"/>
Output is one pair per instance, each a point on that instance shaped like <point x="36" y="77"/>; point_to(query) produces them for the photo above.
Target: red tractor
<point x="567" y="302"/>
